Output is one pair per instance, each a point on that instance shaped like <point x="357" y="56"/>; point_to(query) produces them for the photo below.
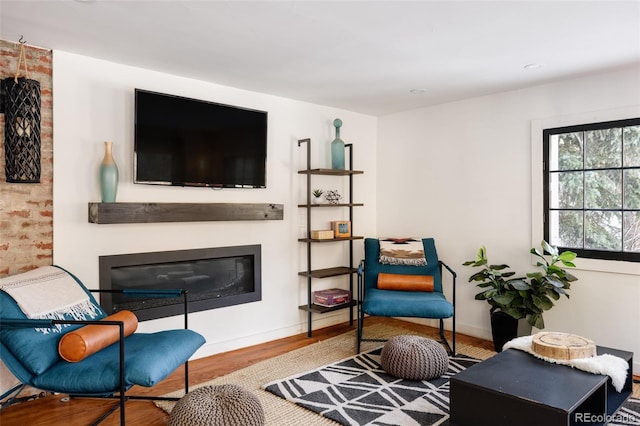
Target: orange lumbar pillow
<point x="82" y="342"/>
<point x="405" y="282"/>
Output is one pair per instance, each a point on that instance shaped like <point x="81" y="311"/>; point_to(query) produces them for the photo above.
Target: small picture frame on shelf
<point x="341" y="228"/>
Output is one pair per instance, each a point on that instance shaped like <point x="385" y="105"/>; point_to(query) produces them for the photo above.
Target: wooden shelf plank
<point x="329" y="272"/>
<point x="109" y="213"/>
<point x="330" y="172"/>
<point x="331" y="205"/>
<point x="311" y="240"/>
<point x="323" y="309"/>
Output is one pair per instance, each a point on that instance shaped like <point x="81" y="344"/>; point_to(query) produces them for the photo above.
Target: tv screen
<point x="187" y="142"/>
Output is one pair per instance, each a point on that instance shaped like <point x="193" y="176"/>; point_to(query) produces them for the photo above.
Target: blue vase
<point x="337" y="148"/>
<point x="108" y="175"/>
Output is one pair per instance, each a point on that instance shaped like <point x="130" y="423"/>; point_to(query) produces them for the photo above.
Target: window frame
<point x="546" y="137"/>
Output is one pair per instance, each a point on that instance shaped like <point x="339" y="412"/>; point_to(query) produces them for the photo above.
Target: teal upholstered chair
<point x="29" y="349"/>
<point x="397" y="303"/>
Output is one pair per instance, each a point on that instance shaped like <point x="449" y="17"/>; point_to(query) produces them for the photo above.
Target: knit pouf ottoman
<point x="414" y="358"/>
<point x="220" y="405"/>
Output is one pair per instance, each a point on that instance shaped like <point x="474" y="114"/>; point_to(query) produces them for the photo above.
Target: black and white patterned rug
<point x="357" y="391"/>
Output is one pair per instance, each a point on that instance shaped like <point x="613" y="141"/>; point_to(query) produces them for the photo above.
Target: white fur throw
<point x="607" y="364"/>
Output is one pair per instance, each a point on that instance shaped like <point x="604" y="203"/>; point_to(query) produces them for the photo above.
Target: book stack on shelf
<point x="331" y="297"/>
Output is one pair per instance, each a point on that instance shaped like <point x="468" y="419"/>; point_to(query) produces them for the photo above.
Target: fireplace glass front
<point x="214" y="277"/>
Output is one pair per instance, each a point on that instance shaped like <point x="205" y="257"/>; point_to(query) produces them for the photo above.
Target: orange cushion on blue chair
<point x="78" y="344"/>
<point x="403" y="282"/>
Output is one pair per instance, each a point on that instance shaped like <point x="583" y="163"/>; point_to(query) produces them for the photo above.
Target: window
<point x="592" y="189"/>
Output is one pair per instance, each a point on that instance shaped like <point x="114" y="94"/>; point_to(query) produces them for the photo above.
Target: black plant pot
<point x="504" y="327"/>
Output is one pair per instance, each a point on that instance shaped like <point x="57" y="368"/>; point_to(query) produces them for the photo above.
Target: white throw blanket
<point x="49" y="293"/>
<point x="607" y="364"/>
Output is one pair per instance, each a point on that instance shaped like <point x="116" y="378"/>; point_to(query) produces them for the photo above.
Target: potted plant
<point x="523" y="298"/>
<point x="317" y="194"/>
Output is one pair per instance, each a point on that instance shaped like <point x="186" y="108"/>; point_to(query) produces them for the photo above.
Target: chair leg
<point x="16" y="391"/>
<point x="186" y="377"/>
<point x="122" y="402"/>
<point x="444" y="341"/>
<point x="453" y="331"/>
<point x="108" y="413"/>
<point x="359" y="330"/>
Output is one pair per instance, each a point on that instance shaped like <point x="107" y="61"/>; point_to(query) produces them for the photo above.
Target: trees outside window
<point x="592" y="189"/>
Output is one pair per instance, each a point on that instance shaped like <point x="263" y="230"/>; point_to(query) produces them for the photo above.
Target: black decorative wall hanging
<point x="21" y="125"/>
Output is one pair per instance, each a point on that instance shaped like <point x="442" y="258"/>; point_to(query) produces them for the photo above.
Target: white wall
<point x="462" y="172"/>
<point x="93" y="102"/>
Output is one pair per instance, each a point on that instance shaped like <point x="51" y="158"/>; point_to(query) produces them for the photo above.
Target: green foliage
<point x="525" y="297"/>
<point x="604" y="190"/>
<point x="317" y="192"/>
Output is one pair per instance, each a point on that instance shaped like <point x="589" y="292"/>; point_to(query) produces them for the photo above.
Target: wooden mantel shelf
<point x="104" y="213"/>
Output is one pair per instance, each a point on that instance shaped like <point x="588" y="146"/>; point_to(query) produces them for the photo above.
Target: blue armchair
<point x="374" y="301"/>
<point x="29" y="349"/>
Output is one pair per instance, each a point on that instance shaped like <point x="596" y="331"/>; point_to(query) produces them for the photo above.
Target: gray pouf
<point x="414" y="358"/>
<point x="220" y="405"/>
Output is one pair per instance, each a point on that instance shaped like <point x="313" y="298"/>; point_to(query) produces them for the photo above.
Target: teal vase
<point x="108" y="175"/>
<point x="337" y="148"/>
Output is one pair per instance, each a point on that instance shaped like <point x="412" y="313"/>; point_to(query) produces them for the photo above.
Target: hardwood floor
<point x="57" y="409"/>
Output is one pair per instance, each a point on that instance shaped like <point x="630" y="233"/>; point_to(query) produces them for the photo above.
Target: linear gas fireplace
<point x="215" y="277"/>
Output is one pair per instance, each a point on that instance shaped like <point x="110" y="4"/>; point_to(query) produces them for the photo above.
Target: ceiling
<point x="363" y="56"/>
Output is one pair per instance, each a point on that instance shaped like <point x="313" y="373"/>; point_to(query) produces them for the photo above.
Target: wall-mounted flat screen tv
<point x="188" y="142"/>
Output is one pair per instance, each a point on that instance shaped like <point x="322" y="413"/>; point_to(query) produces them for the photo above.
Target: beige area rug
<point x="279" y="412"/>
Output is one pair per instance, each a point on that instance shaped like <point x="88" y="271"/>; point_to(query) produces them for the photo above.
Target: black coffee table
<point x="516" y="388"/>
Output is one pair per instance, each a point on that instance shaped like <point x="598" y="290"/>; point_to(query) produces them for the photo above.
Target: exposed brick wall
<point x="26" y="209"/>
